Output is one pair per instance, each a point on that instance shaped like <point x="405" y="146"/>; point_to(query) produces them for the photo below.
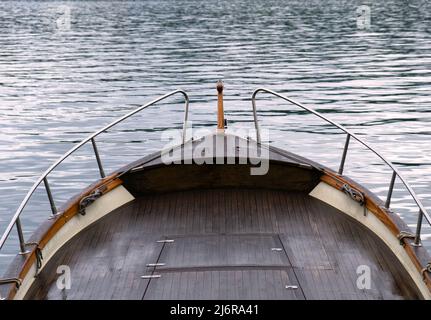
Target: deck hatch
<point x="225" y="284"/>
<point x="230" y="250"/>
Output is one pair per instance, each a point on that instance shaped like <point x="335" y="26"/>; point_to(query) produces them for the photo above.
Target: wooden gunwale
<point x="66" y="212"/>
<point x="386" y="216"/>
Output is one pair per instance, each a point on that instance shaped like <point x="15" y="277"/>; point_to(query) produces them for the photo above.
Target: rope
<point x="86" y="201"/>
<point x="38" y="254"/>
<point x="404" y="235"/>
<point x="426" y="269"/>
<point x="354" y="194"/>
<point x="39" y="258"/>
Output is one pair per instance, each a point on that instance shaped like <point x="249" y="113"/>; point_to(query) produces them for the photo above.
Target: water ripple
<point x="58" y="86"/>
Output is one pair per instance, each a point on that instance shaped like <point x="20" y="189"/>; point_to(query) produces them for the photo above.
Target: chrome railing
<point x="16" y="221"/>
<point x="395" y="172"/>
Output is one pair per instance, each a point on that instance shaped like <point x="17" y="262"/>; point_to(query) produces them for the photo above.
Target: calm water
<point x="60" y="82"/>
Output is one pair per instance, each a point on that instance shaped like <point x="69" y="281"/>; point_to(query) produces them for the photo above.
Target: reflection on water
<point x="64" y="74"/>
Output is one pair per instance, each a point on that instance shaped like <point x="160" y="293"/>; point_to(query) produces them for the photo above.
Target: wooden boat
<point x="188" y="230"/>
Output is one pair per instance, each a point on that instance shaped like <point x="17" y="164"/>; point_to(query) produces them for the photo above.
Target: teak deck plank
<point x="222" y="250"/>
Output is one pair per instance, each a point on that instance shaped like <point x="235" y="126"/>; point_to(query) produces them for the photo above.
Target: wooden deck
<point x="228" y="244"/>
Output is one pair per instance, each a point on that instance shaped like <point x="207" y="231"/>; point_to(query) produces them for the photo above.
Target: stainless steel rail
<point x="395" y="173"/>
<point x="15" y="221"/>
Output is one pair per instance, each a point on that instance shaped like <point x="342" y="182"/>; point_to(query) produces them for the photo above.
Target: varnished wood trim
<point x="220" y="111"/>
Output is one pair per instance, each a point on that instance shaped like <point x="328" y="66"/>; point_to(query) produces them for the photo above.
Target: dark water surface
<point x="60" y="82"/>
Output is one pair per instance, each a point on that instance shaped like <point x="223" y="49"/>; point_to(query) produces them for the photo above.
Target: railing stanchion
<point x="417" y="241"/>
<point x="50" y="198"/>
<point x="391" y="189"/>
<point x="256" y="123"/>
<point x="20" y="237"/>
<point x="343" y="158"/>
<point x="99" y="162"/>
<point x="186" y="118"/>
